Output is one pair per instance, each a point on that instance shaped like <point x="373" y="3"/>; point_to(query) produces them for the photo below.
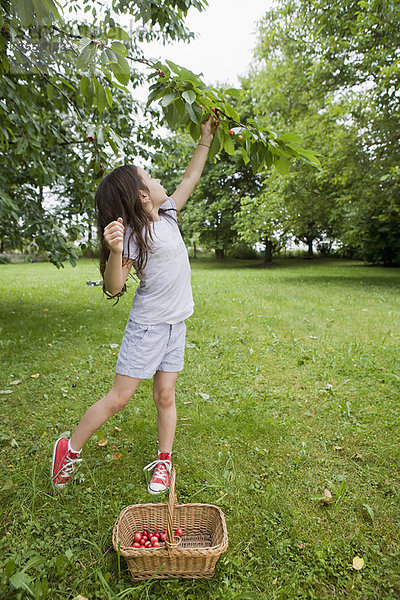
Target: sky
<point x="226" y="37"/>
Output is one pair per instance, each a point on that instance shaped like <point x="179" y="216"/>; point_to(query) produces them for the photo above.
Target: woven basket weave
<point x="193" y="555"/>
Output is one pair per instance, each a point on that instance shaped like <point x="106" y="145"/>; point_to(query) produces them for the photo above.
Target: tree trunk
<point x="267" y="251"/>
<point x="310" y="253"/>
<point x="219" y="253"/>
<point x="2" y="247"/>
<point x="194" y="250"/>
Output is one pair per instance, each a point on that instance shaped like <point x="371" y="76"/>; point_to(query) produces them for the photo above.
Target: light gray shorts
<point x="146" y="349"/>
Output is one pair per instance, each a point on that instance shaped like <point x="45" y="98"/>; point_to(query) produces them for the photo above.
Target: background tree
<point x="331" y="75"/>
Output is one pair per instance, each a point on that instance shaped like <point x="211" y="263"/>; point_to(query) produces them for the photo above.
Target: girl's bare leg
<point x="117" y="398"/>
<point x="164" y="398"/>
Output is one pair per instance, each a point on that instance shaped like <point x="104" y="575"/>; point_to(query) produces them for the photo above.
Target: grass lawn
<point x="293" y="377"/>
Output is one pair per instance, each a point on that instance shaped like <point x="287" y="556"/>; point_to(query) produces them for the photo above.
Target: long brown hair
<point x="118" y="195"/>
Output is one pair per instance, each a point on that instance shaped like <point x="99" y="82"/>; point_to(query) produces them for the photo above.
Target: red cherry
<point x="240" y="137"/>
<point x="201" y="106"/>
<point x="137" y="537"/>
<point x="136" y="545"/>
<point x="144" y="532"/>
<point x="147" y="544"/>
<point x="157" y="534"/>
<point x="161" y="73"/>
<point x="142" y="543"/>
<point x="213" y="110"/>
<point x="230" y="132"/>
<point x="156" y="545"/>
<point x="178" y="532"/>
<point x="101" y="171"/>
<point x="93" y="160"/>
<point x="216" y="123"/>
<point x="163" y="537"/>
<point x="153" y="540"/>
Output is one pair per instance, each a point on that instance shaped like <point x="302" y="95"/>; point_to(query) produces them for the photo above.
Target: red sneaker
<point x="64" y="462"/>
<point x="159" y="482"/>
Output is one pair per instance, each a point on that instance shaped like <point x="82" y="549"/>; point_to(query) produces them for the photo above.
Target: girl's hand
<point x="207" y="131"/>
<point x="114" y="236"/>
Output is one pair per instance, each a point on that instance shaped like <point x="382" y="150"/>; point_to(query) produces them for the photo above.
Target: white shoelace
<point x="163" y="467"/>
<point x="68" y="467"/>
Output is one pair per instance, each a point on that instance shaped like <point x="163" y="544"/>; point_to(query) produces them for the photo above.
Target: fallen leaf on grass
<point x="117" y="455"/>
<point x="204" y="396"/>
<point x="35" y="376"/>
<point x="81" y="597"/>
<point x="358" y="563"/>
<point x="275" y="581"/>
<point x="338" y="447"/>
<point x="357" y="455"/>
<point x="117" y="428"/>
<point x="187" y="402"/>
<point x="185" y="419"/>
<point x="6" y="391"/>
<point x="327" y="495"/>
<point x="15" y="382"/>
<point x="102" y="443"/>
<point x="9" y="485"/>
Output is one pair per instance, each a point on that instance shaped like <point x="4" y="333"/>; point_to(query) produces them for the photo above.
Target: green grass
<point x="293" y="376"/>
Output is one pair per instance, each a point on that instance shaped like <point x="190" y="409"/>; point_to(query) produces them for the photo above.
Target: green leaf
<point x="192" y="113"/>
<point x="84" y="85"/>
<point x="310" y="156"/>
<point x="100" y="97"/>
<point x="215" y="145"/>
<point x="189" y="96"/>
<point x="281" y="163"/>
<point x="290" y="137"/>
<point x="117" y="33"/>
<point x="119" y="48"/>
<point x="183" y="73"/>
<point x="50" y="91"/>
<point x="83" y="42"/>
<point x="51" y="6"/>
<point x="257" y="155"/>
<point x="234" y="93"/>
<point x="100" y="136"/>
<point x="41" y="12"/>
<point x="24" y="9"/>
<point x="246" y="157"/>
<point x="229" y="146"/>
<point x="121" y="70"/>
<point x="167" y="99"/>
<point x="195" y="131"/>
<point x="109" y="97"/>
<point x="86" y="56"/>
<point x="172" y="115"/>
<point x="22" y="581"/>
<point x="112" y="57"/>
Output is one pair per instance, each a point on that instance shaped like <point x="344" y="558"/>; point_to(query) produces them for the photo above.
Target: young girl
<point x="140" y="229"/>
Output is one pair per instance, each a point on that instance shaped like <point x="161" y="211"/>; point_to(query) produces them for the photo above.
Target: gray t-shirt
<point x="164" y="294"/>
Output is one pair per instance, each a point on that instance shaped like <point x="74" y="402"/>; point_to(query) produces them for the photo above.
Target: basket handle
<point x="172" y="500"/>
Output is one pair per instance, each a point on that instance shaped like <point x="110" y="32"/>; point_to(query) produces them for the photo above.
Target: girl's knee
<point x="117" y="399"/>
<point x="164" y="397"/>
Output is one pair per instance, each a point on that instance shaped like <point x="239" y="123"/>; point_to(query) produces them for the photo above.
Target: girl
<point x="140" y="229"/>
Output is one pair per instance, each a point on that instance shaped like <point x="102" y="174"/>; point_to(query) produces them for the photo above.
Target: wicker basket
<point x="193" y="555"/>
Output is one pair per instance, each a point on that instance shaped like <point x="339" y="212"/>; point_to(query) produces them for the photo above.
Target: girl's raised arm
<point x="195" y="168"/>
